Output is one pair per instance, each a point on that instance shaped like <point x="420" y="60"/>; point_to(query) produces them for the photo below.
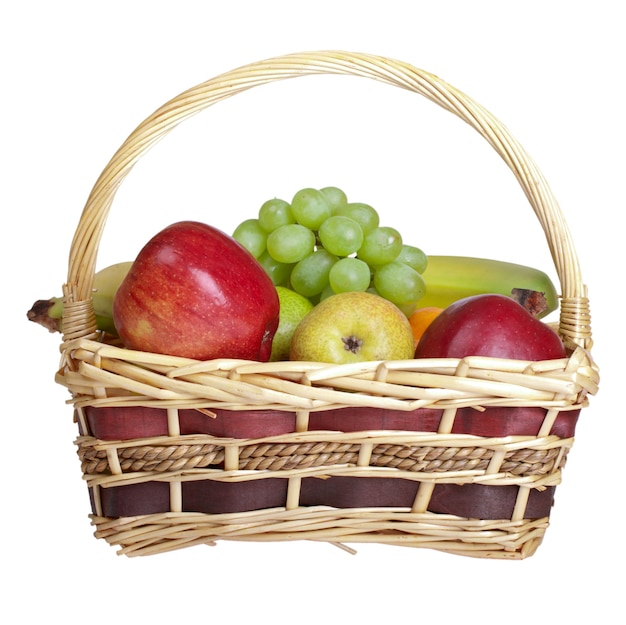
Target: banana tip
<point x="39" y="313"/>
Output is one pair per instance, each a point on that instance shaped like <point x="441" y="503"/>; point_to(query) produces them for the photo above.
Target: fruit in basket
<point x="349" y="274"/>
<point x="365" y="215"/>
<point x="335" y="197"/>
<point x="252" y="236"/>
<point x="320" y="228"/>
<point x="194" y="291"/>
<point x="451" y="278"/>
<point x="293" y="308"/>
<point x="355" y="326"/>
<point x="49" y="313"/>
<point x="341" y="236"/>
<point x="310" y="208"/>
<point x="290" y="243"/>
<point x="381" y="245"/>
<point x="400" y="284"/>
<point x="421" y="319"/>
<point x="275" y="213"/>
<point x="414" y="257"/>
<point x="311" y="275"/>
<point x="490" y="325"/>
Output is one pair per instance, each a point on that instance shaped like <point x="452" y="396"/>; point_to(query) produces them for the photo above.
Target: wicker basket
<point x="461" y="456"/>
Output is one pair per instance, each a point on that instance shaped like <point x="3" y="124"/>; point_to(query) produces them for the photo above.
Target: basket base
<point x="158" y="533"/>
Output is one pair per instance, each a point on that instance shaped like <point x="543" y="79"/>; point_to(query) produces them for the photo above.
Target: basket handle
<point x="79" y="319"/>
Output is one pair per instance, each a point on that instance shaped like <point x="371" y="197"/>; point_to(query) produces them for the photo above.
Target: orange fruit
<point x="421" y="319"/>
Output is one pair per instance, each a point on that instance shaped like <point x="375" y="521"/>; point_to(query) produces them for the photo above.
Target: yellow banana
<point x="49" y="313"/>
<point x="450" y="278"/>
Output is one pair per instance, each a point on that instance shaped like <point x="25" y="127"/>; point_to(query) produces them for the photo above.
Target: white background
<point x="78" y="77"/>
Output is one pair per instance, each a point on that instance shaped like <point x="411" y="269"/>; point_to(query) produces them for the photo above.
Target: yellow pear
<point x="355" y="326"/>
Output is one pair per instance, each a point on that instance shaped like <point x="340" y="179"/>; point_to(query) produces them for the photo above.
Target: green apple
<point x="293" y="308"/>
<point x="355" y="326"/>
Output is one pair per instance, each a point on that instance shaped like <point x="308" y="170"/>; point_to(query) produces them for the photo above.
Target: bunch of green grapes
<point x="319" y="244"/>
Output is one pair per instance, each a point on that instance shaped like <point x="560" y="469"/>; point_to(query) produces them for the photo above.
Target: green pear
<point x="355" y="326"/>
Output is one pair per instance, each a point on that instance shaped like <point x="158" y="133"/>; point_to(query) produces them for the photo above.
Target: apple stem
<point x="533" y="301"/>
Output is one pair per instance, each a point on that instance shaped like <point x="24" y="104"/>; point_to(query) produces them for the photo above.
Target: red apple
<point x="194" y="291"/>
<point x="489" y="325"/>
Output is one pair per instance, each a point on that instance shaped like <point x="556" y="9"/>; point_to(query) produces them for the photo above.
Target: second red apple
<point x="489" y="325"/>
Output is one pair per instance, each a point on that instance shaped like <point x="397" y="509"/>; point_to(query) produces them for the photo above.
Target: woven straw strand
<point x="160" y="533"/>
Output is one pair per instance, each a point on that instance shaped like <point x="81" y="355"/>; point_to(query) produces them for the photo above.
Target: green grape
<point x="380" y="246"/>
<point x="290" y="243"/>
<point x="340" y="235"/>
<point x="364" y="214"/>
<point x="310" y="208"/>
<point x="327" y="292"/>
<point x="335" y="197"/>
<point x="413" y="257"/>
<point x="349" y="274"/>
<point x="275" y="213"/>
<point x="310" y="275"/>
<point x="408" y="309"/>
<point x="399" y="283"/>
<point x="278" y="272"/>
<point x="250" y="234"/>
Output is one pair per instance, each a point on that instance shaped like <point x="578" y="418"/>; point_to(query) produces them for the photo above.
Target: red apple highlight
<point x="195" y="292"/>
<point x="489" y="325"/>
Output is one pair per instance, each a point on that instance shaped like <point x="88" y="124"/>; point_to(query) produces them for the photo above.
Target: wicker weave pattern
<point x="105" y="375"/>
<point x="154" y="534"/>
<point x="99" y="374"/>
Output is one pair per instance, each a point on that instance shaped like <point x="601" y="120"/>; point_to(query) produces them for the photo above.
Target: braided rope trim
<point x="523" y="462"/>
